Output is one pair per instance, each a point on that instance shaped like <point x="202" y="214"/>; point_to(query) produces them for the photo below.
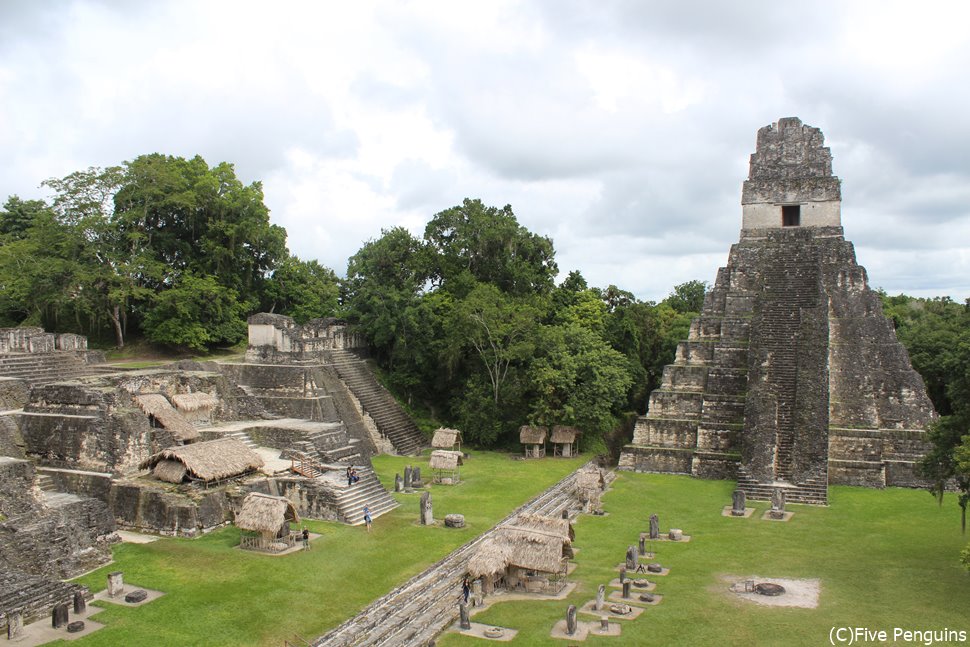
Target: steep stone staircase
<point x="367" y="491"/>
<point x="416" y="612"/>
<point x="244" y="438"/>
<point x="814" y="491"/>
<point x="43" y="368"/>
<point x="791" y="283"/>
<point x="390" y="418"/>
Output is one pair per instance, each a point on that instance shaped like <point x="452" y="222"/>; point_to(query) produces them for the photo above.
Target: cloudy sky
<point x="621" y="129"/>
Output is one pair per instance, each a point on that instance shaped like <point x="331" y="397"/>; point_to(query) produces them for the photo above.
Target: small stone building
<point x="564" y="441"/>
<point x="449" y="439"/>
<point x="533" y="441"/>
<point x="446" y="466"/>
<point x="205" y="462"/>
<point x="530" y="555"/>
<point x="265" y="523"/>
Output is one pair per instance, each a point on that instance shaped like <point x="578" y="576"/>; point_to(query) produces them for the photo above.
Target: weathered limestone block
<point x="455" y="520"/>
<point x="116" y="584"/>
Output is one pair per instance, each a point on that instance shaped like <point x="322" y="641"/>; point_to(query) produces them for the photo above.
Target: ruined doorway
<point x="791" y="215"/>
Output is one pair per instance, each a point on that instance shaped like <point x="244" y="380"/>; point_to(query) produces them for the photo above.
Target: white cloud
<point x="620" y="129"/>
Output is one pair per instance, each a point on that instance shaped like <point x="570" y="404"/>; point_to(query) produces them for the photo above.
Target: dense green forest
<point x="466" y="323"/>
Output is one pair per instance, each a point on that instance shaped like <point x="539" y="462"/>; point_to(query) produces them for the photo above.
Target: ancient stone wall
<point x="151" y="507"/>
<point x="60" y="542"/>
<point x="17" y="494"/>
<point x="14" y="393"/>
<point x="312" y="499"/>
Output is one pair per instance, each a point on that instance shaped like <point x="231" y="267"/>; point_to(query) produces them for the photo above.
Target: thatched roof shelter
<point x="442" y="459"/>
<point x="446" y="438"/>
<point x="532" y="543"/>
<point x="194" y="401"/>
<point x="563" y="434"/>
<point x="532" y="435"/>
<point x="212" y="460"/>
<point x="157" y="406"/>
<point x="265" y="514"/>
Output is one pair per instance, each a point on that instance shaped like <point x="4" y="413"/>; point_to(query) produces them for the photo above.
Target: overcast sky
<point x="620" y="129"/>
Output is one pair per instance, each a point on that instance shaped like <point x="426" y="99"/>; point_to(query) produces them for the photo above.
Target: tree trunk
<point x="116" y="320"/>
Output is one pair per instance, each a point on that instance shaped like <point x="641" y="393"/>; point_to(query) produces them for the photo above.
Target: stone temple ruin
<point x="86" y="449"/>
<point x="791" y="377"/>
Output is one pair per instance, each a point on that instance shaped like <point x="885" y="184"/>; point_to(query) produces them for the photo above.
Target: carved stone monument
<point x="407" y="478"/>
<point x="427" y="517"/>
<point x="654" y="527"/>
<point x="631" y="558"/>
<point x="477" y="597"/>
<point x="643" y="545"/>
<point x="465" y="622"/>
<point x="398" y="483"/>
<point x="626" y="588"/>
<point x="79" y="603"/>
<point x="455" y="520"/>
<point x="737" y="503"/>
<point x="116" y="584"/>
<point x="777" y="504"/>
<point x="416" y="477"/>
<point x="604" y="625"/>
<point x="791" y="296"/>
<point x="571" y="620"/>
<point x="600" y="597"/>
<point x="15" y="626"/>
<point x="622" y="574"/>
<point x="675" y="534"/>
<point x="59" y="615"/>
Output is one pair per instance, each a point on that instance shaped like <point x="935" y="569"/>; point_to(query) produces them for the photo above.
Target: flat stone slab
<point x="596" y="629"/>
<point x="129" y="588"/>
<point x="726" y="512"/>
<point x="664" y="537"/>
<point x="590" y="609"/>
<point x="130" y="537"/>
<point x="478" y="631"/>
<point x="40" y="632"/>
<point x="136" y="596"/>
<point x="798" y="593"/>
<point x="634" y="599"/>
<point x="785" y="516"/>
<point x="615" y="583"/>
<point x="559" y="631"/>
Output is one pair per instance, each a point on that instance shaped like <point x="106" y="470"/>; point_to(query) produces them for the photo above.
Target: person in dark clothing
<point x="465" y="589"/>
<point x="306" y="539"/>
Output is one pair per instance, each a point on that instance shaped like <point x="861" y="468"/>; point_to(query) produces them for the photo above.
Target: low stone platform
<point x="559" y="631"/>
<point x="590" y="609"/>
<point x="478" y="631"/>
<point x="615" y="583"/>
<point x="785" y="516"/>
<point x="726" y="512"/>
<point x="128" y="588"/>
<point x="634" y="599"/>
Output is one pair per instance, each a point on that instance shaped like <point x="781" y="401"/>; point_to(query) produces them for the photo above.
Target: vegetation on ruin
<point x="884" y="559"/>
<point x="936" y="332"/>
<point x="217" y="594"/>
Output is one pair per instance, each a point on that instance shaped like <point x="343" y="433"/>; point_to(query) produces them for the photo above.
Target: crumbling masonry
<point x="791" y="377"/>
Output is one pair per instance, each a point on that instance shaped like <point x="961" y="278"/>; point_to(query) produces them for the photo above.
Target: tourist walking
<point x="367" y="519"/>
<point x="306" y="539"/>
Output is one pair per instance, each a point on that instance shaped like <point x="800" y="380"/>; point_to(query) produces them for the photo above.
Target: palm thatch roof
<point x="212" y="460"/>
<point x="169" y="471"/>
<point x="562" y="434"/>
<point x="445" y="438"/>
<point x="554" y="525"/>
<point x="532" y="435"/>
<point x="537" y="548"/>
<point x="194" y="401"/>
<point x="265" y="513"/>
<point x="442" y="459"/>
<point x="158" y="406"/>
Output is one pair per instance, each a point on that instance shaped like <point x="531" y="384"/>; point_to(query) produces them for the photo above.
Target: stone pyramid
<point x="791" y="377"/>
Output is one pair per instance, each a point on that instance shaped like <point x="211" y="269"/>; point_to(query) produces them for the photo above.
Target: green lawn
<point x="219" y="595"/>
<point x="885" y="559"/>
